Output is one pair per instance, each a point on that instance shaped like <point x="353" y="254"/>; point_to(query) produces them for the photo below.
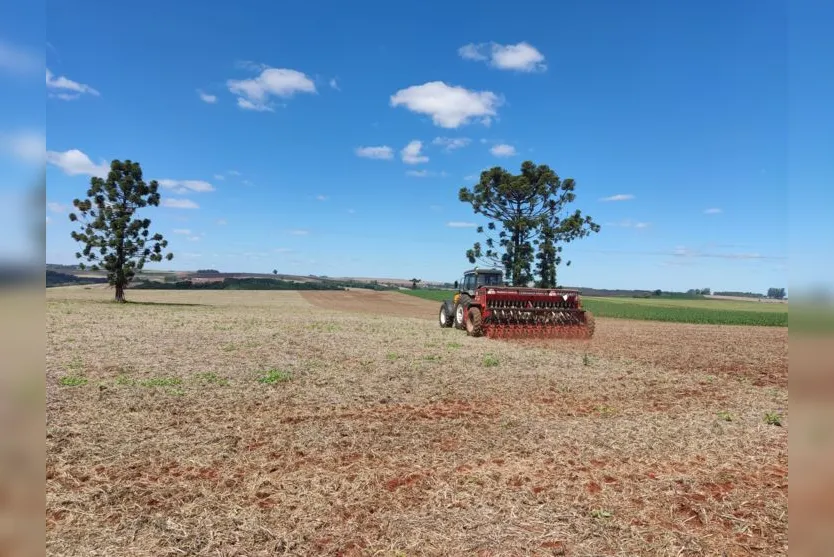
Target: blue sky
<point x="333" y="139"/>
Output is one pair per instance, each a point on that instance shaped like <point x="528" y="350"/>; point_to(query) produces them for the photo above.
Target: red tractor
<point x="485" y="306"/>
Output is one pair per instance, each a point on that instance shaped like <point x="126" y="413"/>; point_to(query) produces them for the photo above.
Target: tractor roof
<point x="484" y="272"/>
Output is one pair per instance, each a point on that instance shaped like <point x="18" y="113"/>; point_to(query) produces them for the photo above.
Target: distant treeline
<point x="741" y="294"/>
<point x="54" y="278"/>
<point x="236" y="284"/>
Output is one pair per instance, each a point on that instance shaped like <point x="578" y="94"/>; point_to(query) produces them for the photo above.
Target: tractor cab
<point x="475" y="278"/>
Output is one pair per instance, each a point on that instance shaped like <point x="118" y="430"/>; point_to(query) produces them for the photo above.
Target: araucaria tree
<point x="529" y="222"/>
<point x="113" y="239"/>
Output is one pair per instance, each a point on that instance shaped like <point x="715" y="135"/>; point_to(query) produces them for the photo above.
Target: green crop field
<point x="716" y="312"/>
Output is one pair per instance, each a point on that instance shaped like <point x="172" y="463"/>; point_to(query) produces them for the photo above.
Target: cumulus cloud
<point x="206" y="98"/>
<point x="381" y="152"/>
<point x="185" y="186"/>
<point x="449" y="106"/>
<point x="618" y="197"/>
<point x="334" y="84"/>
<point x="712" y="211"/>
<point x="27" y="145"/>
<point x="174" y="203"/>
<point x="255" y="93"/>
<point x="521" y="57"/>
<point x="460" y="224"/>
<point x="67" y="89"/>
<point x="74" y="162"/>
<point x="56" y="207"/>
<point x="503" y="150"/>
<point x="451" y="143"/>
<point x="411" y="153"/>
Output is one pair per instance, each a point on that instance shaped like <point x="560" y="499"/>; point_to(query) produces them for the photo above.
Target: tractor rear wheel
<point x="446" y="320"/>
<point x="474" y="325"/>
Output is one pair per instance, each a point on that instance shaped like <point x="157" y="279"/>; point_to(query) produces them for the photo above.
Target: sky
<point x="332" y="138"/>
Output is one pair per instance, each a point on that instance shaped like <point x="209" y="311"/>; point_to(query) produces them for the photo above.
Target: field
<point x="349" y="423"/>
<point x="703" y="311"/>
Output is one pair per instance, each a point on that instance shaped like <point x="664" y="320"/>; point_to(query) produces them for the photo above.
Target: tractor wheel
<point x="590" y="323"/>
<point x="474" y="326"/>
<point x="446" y="320"/>
<point x="460" y="308"/>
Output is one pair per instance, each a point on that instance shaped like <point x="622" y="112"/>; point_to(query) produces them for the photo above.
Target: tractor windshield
<point x="489" y="280"/>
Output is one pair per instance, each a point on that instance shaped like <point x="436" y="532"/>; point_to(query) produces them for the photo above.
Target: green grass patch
<point x="72" y="381"/>
<point x="211" y="378"/>
<point x="490" y="361"/>
<point x="273" y="376"/>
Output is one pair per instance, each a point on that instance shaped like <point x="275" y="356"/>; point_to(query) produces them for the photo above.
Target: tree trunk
<point x="120" y="293"/>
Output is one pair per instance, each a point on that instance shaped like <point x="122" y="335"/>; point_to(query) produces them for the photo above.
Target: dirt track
<point x="758" y="353"/>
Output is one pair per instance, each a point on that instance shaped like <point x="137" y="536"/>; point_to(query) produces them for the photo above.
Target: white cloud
<point x="503" y="150"/>
<point x="471" y="51"/>
<point x="19" y="60"/>
<point x="183" y="231"/>
<point x="255" y="93"/>
<point x="522" y="57"/>
<point x="246" y="104"/>
<point x="74" y="162"/>
<point x="451" y="143"/>
<point x="56" y="207"/>
<point x="299" y="232"/>
<point x="174" y="203"/>
<point x="205" y="97"/>
<point x="221" y="222"/>
<point x="334" y="84"/>
<point x="27" y="145"/>
<point x="449" y="106"/>
<point x="382" y="152"/>
<point x="185" y="186"/>
<point x="629" y="224"/>
<point x="67" y="88"/>
<point x="459" y="224"/>
<point x="411" y="153"/>
<point x="618" y="197"/>
<point x="712" y="211"/>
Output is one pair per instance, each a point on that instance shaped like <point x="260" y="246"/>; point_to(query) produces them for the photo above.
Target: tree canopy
<point x="113" y="240"/>
<point x="529" y="222"/>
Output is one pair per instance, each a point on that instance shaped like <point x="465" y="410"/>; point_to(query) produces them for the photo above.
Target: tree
<point x="112" y="241"/>
<point x="274" y="271"/>
<point x="658" y="292"/>
<point x="528" y="212"/>
<point x="456" y="285"/>
<point x="777" y="293"/>
<point x="414" y="282"/>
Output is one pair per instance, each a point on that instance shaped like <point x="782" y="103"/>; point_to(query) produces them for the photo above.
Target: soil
<point x="757" y="354"/>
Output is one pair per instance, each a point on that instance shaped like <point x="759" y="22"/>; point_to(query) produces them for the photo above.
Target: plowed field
<point x="275" y="423"/>
<point x="759" y="354"/>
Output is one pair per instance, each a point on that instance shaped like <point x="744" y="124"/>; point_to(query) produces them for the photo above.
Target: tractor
<point x="484" y="305"/>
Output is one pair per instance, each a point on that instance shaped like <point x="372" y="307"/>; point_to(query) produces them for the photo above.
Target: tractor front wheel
<point x="474" y="325"/>
<point x="446" y="320"/>
<point x="460" y="310"/>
